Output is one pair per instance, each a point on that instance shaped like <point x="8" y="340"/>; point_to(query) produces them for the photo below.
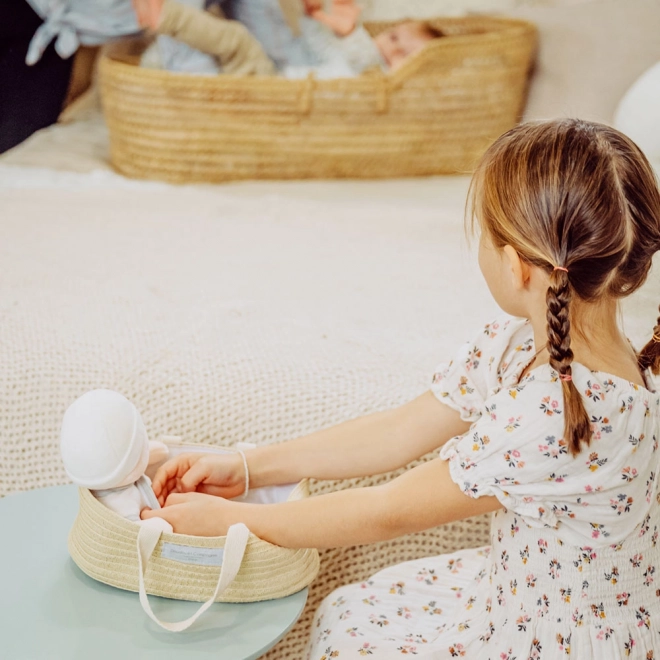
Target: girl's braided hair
<point x="580" y="201"/>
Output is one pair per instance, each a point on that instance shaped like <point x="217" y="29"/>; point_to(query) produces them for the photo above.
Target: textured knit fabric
<point x="573" y="555"/>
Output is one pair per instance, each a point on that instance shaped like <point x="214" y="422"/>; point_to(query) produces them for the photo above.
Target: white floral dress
<point x="572" y="565"/>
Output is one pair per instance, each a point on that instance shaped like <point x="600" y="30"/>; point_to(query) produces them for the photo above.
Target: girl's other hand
<point x="148" y="12"/>
<point x="212" y="474"/>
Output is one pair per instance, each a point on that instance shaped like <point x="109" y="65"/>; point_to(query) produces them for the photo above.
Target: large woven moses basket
<point x="435" y="115"/>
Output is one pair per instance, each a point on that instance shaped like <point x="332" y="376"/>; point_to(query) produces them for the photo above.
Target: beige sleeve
<point x="237" y="51"/>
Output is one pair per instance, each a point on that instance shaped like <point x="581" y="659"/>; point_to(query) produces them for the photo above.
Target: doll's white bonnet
<point x="103" y="439"/>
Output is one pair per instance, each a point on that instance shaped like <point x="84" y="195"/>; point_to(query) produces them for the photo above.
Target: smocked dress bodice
<point x="573" y="556"/>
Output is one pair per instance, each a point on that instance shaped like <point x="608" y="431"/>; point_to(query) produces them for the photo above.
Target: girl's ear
<point x="520" y="271"/>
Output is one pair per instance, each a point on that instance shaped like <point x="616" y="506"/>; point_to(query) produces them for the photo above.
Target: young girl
<point x="547" y="418"/>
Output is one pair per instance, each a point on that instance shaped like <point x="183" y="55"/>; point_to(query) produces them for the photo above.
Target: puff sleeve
<point x="480" y="367"/>
<point x="517" y="454"/>
<point x="513" y="452"/>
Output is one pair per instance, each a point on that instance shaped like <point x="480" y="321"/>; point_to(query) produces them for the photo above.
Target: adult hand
<point x="195" y="514"/>
<point x="212" y="474"/>
<point x="148" y="12"/>
<point x="342" y="18"/>
<point x="312" y="5"/>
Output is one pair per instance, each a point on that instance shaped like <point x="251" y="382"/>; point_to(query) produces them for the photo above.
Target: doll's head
<point x="398" y="43"/>
<point x="580" y="202"/>
<point x="103" y="441"/>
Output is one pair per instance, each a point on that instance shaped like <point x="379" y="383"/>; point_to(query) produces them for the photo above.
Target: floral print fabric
<point x="571" y="569"/>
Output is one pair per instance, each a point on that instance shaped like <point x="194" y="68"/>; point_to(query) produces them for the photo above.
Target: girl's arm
<point x="374" y="444"/>
<point x="422" y="498"/>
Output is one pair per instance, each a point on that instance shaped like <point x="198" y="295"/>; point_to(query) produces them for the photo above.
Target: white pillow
<point x="638" y="113"/>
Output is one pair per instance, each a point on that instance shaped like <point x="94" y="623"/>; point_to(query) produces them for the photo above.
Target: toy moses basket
<point x="236" y="568"/>
<point x="437" y="114"/>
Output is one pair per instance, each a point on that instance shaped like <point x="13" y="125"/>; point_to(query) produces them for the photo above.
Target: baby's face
<point x="400" y="42"/>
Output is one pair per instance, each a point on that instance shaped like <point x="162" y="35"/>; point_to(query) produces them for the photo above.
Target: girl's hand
<point x="194" y="513"/>
<point x="212" y="474"/>
<point x="148" y="12"/>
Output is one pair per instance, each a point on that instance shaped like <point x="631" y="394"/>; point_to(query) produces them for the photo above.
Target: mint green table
<point x="50" y="610"/>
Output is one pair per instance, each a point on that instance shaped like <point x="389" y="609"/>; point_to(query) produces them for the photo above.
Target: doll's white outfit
<point x="129" y="500"/>
<point x="573" y="565"/>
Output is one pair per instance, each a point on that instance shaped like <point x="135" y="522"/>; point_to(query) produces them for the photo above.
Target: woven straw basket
<point x="236" y="568"/>
<point x="435" y="115"/>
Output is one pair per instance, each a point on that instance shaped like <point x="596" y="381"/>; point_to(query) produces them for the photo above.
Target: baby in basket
<point x="328" y="44"/>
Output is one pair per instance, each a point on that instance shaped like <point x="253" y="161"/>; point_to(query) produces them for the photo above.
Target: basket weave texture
<point x="104" y="546"/>
<point x="435" y="115"/>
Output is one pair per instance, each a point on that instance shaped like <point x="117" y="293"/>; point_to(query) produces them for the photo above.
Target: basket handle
<point x="383" y="95"/>
<point x="235" y="545"/>
<point x="305" y="101"/>
<point x="307" y="95"/>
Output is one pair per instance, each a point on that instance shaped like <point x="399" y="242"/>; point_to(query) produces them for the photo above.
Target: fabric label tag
<point x="187" y="554"/>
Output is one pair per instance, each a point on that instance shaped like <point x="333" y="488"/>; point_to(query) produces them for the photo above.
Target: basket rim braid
<point x="436" y="114"/>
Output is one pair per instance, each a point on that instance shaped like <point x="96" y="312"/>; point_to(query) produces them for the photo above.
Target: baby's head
<point x="577" y="204"/>
<point x="403" y="40"/>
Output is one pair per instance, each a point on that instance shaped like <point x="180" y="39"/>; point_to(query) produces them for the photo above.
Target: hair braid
<point x="649" y="356"/>
<point x="577" y="426"/>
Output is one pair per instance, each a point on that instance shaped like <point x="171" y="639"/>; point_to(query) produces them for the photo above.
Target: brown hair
<point x="580" y="201"/>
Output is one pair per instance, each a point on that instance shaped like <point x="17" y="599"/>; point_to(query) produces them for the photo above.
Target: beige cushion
<point x="589" y="55"/>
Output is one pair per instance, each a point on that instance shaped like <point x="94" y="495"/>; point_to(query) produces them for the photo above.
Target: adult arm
<point x="236" y="50"/>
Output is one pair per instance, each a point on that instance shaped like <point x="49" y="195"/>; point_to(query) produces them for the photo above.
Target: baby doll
<point x="333" y="44"/>
<point x="105" y="448"/>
